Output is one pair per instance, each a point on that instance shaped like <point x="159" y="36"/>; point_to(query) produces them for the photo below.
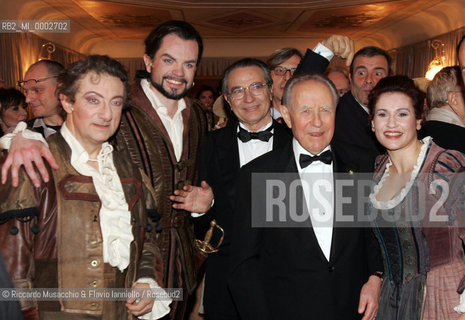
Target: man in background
<point x="283" y="63"/>
<point x="370" y="65"/>
<point x="340" y="79"/>
<point x="39" y="87"/>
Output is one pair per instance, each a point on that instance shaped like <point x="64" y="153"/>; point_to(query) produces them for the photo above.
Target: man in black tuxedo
<point x="370" y="65"/>
<point x="303" y="270"/>
<point x="251" y="133"/>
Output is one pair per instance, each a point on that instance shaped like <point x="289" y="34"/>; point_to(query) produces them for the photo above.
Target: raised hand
<point x="341" y="46"/>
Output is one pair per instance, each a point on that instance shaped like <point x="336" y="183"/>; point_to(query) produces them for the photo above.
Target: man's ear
<point x="148" y="63"/>
<point x="451" y="98"/>
<point x="66" y="103"/>
<point x="419" y="122"/>
<point x="286" y="116"/>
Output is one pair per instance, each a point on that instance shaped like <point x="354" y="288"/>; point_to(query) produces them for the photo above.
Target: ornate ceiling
<point x="235" y="28"/>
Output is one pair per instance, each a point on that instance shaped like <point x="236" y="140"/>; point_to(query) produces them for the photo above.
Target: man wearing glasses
<point x="39" y="86"/>
<point x="248" y="88"/>
<point x="283" y="63"/>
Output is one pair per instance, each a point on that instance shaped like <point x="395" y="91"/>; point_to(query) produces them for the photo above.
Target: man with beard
<point x="370" y="65"/>
<point x="161" y="131"/>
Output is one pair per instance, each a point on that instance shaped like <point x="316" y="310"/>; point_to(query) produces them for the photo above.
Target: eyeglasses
<point x="281" y="71"/>
<point x="28" y="83"/>
<point x="255" y="89"/>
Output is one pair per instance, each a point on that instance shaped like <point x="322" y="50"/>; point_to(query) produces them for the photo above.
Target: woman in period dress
<point x="418" y="200"/>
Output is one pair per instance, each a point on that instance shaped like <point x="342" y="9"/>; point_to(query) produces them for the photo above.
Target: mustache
<point x="174" y="78"/>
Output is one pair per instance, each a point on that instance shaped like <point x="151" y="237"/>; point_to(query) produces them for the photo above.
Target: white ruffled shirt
<point x="114" y="216"/>
<point x="21" y="127"/>
<point x="389" y="204"/>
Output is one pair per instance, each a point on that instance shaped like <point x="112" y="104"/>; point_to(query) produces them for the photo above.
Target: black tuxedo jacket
<point x="219" y="166"/>
<point x="353" y="125"/>
<point x="281" y="272"/>
<point x="312" y="63"/>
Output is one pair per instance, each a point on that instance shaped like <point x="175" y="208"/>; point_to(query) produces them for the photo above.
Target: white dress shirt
<point x="275" y="113"/>
<point x="323" y="51"/>
<point x="48" y="131"/>
<point x="254" y="148"/>
<point x="318" y="187"/>
<point x="175" y="125"/>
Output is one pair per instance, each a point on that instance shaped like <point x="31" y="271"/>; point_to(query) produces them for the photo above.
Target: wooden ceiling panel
<point x="125" y="21"/>
<point x="252" y="4"/>
<point x="228" y="25"/>
<point x="350" y="18"/>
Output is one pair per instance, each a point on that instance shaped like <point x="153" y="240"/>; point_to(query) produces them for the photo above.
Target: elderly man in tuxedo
<point x="302" y="268"/>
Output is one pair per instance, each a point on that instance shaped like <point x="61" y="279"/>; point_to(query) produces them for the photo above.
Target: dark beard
<point x="169" y="95"/>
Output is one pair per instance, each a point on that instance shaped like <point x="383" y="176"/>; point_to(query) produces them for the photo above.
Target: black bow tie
<point x="305" y="160"/>
<point x="246" y="136"/>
